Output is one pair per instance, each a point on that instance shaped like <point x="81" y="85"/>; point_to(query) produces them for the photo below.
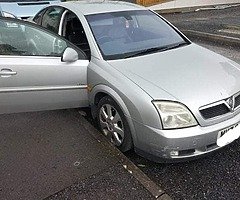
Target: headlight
<point x="174" y="115"/>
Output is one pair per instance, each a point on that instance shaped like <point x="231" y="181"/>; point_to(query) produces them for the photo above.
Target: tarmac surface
<point x="216" y="176"/>
<point x="42" y="153"/>
<point x="224" y="22"/>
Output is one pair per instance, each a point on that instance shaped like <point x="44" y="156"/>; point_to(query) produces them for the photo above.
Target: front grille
<point x="237" y="101"/>
<point x="214" y="111"/>
<point x="229" y="105"/>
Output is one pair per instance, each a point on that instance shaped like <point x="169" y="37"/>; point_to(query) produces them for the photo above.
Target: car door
<point x="33" y="75"/>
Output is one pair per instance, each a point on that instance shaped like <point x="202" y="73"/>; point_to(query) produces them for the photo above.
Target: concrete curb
<point x="227" y="40"/>
<point x="129" y="166"/>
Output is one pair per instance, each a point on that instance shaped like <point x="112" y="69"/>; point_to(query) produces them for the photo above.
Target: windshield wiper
<point x="174" y="46"/>
<point x="154" y="49"/>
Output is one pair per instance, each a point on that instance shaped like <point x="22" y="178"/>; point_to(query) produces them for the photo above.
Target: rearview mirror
<point x="69" y="55"/>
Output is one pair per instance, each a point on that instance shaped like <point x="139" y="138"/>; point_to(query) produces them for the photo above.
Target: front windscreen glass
<point x="132" y="33"/>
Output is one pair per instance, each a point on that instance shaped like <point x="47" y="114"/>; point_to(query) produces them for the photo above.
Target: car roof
<point x="100" y="6"/>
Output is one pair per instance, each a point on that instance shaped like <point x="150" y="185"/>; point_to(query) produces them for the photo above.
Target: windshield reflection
<point x="129" y="33"/>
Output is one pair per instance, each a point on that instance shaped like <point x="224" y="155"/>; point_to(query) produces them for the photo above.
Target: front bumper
<point x="179" y="144"/>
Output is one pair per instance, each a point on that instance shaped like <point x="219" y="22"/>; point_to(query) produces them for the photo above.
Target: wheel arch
<point x="101" y="91"/>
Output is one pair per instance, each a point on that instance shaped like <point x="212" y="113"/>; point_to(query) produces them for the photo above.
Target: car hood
<point x="190" y="74"/>
<point x="25" y="9"/>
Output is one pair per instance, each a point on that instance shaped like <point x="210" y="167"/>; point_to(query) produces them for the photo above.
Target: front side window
<point x="132" y="33"/>
<point x="24" y="39"/>
<point x="74" y="32"/>
<point x="51" y="18"/>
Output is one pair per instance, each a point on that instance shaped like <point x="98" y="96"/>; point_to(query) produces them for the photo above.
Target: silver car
<point x="148" y="86"/>
<point x="23" y="9"/>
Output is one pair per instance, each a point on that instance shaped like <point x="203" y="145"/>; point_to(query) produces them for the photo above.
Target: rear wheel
<point x="113" y="123"/>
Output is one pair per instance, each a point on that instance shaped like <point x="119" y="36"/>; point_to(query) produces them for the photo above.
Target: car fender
<point x="112" y="93"/>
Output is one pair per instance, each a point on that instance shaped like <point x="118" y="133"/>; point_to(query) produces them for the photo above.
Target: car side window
<point x="24" y="39"/>
<point x="74" y="32"/>
<point x="38" y="17"/>
<point x="51" y="18"/>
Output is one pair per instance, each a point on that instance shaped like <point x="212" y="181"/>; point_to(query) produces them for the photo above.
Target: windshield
<point x="132" y="33"/>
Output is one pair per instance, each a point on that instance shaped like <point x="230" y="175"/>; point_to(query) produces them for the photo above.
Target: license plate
<point x="228" y="135"/>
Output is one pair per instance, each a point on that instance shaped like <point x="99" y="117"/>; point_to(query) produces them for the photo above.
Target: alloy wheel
<point x="111" y="124"/>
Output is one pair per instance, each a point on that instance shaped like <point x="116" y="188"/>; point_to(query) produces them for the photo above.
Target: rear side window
<point x="51" y="18"/>
<point x="38" y="17"/>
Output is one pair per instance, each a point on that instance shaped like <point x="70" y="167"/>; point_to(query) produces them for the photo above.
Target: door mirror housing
<point x="69" y="55"/>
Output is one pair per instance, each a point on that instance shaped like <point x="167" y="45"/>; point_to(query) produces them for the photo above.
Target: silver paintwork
<point x="36" y="86"/>
<point x="192" y="75"/>
<point x="29" y="9"/>
<point x="69" y="55"/>
<point x="87" y="7"/>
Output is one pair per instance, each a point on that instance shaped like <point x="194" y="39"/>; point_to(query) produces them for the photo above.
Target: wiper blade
<point x="144" y="52"/>
<point x="173" y="46"/>
<point x="155" y="49"/>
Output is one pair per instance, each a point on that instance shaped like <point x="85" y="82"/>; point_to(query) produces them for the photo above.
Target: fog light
<point x="174" y="153"/>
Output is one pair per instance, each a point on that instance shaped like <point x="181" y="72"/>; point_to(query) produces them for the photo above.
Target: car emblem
<point x="231" y="103"/>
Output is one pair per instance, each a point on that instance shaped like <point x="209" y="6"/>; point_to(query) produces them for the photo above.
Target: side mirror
<point x="69" y="55"/>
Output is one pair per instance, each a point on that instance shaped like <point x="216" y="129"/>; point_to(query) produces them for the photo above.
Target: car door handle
<point x="7" y="73"/>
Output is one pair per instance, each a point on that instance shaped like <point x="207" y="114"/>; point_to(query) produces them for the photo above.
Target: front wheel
<point x="113" y="123"/>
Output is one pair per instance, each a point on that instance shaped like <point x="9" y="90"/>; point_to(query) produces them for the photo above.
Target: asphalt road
<point x="59" y="155"/>
<point x="216" y="176"/>
<point x="219" y="21"/>
<point x="42" y="153"/>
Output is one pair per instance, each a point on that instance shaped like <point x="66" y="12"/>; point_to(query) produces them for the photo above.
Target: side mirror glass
<point x="69" y="55"/>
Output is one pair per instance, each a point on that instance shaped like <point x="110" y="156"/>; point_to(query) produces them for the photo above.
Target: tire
<point x="113" y="124"/>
